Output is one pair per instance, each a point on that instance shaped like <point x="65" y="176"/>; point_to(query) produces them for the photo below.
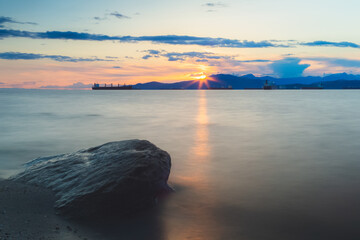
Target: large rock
<point x="117" y="177"/>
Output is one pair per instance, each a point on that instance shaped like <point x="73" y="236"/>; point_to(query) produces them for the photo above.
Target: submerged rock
<point x="120" y="177"/>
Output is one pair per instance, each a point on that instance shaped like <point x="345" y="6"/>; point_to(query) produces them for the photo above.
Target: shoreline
<point x="27" y="212"/>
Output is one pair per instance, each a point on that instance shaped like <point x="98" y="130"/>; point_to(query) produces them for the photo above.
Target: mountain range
<point x="249" y="81"/>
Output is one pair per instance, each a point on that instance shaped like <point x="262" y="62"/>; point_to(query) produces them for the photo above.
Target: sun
<point x="201" y="77"/>
<point x="198" y="76"/>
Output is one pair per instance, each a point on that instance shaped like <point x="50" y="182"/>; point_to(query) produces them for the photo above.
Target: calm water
<point x="246" y="164"/>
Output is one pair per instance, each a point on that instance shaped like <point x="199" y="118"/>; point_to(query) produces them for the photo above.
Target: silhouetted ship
<point x="268" y="85"/>
<point x="221" y="88"/>
<point x="97" y="86"/>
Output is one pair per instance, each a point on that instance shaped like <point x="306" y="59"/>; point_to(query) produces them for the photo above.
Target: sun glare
<point x="202" y="77"/>
<point x="198" y="76"/>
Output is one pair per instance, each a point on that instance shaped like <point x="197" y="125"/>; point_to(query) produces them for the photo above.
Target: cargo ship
<point x="221" y="88"/>
<point x="268" y="85"/>
<point x="97" y="86"/>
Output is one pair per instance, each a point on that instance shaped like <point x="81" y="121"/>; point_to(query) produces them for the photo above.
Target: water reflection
<point x="201" y="141"/>
<point x="193" y="217"/>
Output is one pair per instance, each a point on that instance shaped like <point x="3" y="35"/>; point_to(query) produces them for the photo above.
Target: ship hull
<point x="113" y="88"/>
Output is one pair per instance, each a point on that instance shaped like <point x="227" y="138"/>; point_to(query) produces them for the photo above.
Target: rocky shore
<point x="58" y="197"/>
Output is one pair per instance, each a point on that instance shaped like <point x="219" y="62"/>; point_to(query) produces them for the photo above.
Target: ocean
<point x="245" y="164"/>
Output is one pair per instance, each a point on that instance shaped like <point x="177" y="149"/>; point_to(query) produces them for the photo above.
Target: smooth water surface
<point x="246" y="164"/>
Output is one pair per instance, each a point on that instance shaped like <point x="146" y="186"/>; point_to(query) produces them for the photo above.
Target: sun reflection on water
<point x="196" y="219"/>
<point x="201" y="143"/>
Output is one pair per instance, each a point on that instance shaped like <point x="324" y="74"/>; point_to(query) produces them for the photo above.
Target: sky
<point x="71" y="44"/>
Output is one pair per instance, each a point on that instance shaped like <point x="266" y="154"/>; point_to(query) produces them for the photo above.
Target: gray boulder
<point x="117" y="177"/>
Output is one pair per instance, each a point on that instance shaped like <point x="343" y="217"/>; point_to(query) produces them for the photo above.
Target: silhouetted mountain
<point x="338" y="81"/>
<point x="341" y="76"/>
<point x="177" y="85"/>
<point x="338" y="84"/>
<point x="299" y="80"/>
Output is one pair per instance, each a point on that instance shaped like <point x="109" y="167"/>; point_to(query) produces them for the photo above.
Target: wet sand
<point x="27" y="212"/>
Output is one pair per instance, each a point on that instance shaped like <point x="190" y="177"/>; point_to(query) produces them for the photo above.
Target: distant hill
<point x="333" y="81"/>
<point x="338" y="84"/>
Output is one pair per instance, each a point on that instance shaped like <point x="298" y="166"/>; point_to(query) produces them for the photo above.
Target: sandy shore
<point x="26" y="212"/>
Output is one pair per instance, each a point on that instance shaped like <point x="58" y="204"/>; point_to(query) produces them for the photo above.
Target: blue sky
<point x="139" y="41"/>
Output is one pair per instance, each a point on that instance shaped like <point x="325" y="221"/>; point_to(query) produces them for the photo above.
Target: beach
<point x="27" y="212"/>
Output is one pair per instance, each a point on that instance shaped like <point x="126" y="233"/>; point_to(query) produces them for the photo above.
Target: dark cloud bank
<point x="165" y="39"/>
<point x="33" y="56"/>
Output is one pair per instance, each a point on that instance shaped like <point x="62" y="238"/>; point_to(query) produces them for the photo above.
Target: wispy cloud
<point x="165" y="39"/>
<point x="4" y="20"/>
<point x="213" y="6"/>
<point x="100" y="18"/>
<point x="33" y="56"/>
<point x="112" y="14"/>
<point x="118" y="15"/>
<point x="337" y="62"/>
<point x="332" y="44"/>
<point x="255" y="61"/>
<point x="177" y="56"/>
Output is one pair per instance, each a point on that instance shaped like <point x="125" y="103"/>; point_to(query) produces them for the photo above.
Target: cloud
<point x="288" y="67"/>
<point x="33" y="56"/>
<point x="4" y="20"/>
<point x="255" y="61"/>
<point x="202" y="41"/>
<point x="153" y="51"/>
<point x="332" y="44"/>
<point x="111" y="57"/>
<point x="116" y="67"/>
<point x="2" y="83"/>
<point x="214" y="4"/>
<point x="177" y="56"/>
<point x="147" y="56"/>
<point x="114" y="14"/>
<point x="78" y="85"/>
<point x="165" y="39"/>
<point x="100" y="18"/>
<point x="341" y="62"/>
<point x="118" y="15"/>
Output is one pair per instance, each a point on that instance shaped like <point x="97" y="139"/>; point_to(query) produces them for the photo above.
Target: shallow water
<point x="246" y="164"/>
